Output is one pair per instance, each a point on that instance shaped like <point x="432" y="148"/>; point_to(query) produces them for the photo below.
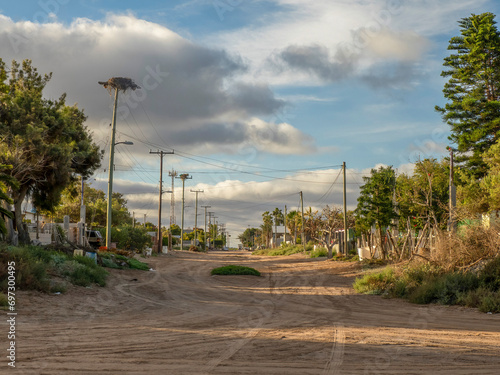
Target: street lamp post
<point x="116" y="83"/>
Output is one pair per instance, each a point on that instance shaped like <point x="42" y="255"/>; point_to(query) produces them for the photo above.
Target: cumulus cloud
<point x="190" y="93"/>
<point x="381" y="59"/>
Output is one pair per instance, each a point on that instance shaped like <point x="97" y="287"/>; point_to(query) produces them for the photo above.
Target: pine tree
<point x="473" y="90"/>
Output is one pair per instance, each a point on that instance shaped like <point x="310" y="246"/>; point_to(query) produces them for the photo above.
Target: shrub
<point x="490" y="275"/>
<point x="84" y="275"/>
<point x="319" y="252"/>
<point x="138" y="265"/>
<point x="375" y="283"/>
<point x="3" y="300"/>
<point x="235" y="270"/>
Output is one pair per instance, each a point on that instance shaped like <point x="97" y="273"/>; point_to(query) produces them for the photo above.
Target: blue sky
<point x="259" y="99"/>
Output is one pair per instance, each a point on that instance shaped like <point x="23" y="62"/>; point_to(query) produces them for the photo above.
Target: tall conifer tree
<point x="473" y="90"/>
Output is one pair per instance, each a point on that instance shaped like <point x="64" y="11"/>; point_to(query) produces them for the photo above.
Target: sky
<point x="258" y="99"/>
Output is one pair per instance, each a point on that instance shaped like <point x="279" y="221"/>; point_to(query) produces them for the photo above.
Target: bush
<point x="3" y="300"/>
<point x="375" y="283"/>
<point x="319" y="252"/>
<point x="425" y="283"/>
<point x="31" y="268"/>
<point x="281" y="251"/>
<point x="490" y="275"/>
<point x="138" y="265"/>
<point x="85" y="275"/>
<point x="235" y="270"/>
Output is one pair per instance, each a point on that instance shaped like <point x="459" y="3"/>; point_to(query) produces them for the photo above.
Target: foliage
<point x="250" y="236"/>
<point x="6" y="182"/>
<point x="473" y="89"/>
<point x="46" y="141"/>
<point x="294" y="224"/>
<point x="235" y="270"/>
<point x="138" y="265"/>
<point x="319" y="253"/>
<point x="83" y="271"/>
<point x="266" y="228"/>
<point x="128" y="238"/>
<point x="426" y="283"/>
<point x="3" y="300"/>
<point x="36" y="265"/>
<point x="424" y="196"/>
<point x="375" y="202"/>
<point x="284" y="250"/>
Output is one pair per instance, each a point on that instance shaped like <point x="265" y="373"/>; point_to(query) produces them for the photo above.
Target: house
<point x="280" y="236"/>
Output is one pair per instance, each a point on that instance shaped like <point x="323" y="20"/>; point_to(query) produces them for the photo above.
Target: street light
<point x="117" y="84"/>
<point x="128" y="143"/>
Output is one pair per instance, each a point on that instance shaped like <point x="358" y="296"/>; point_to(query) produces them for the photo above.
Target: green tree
<point x="473" y="90"/>
<point x="7" y="182"/>
<point x="294" y="224"/>
<point x="249" y="236"/>
<point x="44" y="140"/>
<point x="266" y="228"/>
<point x="375" y="202"/>
<point x="96" y="206"/>
<point x="424" y="196"/>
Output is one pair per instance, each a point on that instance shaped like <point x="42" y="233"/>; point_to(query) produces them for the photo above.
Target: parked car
<point x="95" y="238"/>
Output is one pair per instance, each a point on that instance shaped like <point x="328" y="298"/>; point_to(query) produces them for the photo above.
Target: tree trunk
<point x="9" y="224"/>
<point x="23" y="235"/>
<point x="381" y="242"/>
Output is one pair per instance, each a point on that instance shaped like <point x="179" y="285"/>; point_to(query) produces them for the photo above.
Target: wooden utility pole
<point x="172" y="174"/>
<point x="160" y="239"/>
<point x="303" y="238"/>
<point x="196" y="216"/>
<point x="452" y="226"/>
<point x="284" y="223"/>
<point x="205" y="234"/>
<point x="346" y="250"/>
<point x="183" y="177"/>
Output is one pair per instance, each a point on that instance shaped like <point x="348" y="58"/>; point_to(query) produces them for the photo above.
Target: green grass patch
<point x="235" y="270"/>
<point x="138" y="265"/>
<point x="117" y="261"/>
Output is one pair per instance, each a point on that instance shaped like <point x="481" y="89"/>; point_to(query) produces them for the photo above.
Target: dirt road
<point x="300" y="317"/>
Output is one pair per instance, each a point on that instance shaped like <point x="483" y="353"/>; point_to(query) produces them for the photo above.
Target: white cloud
<point x="325" y="41"/>
<point x="191" y="95"/>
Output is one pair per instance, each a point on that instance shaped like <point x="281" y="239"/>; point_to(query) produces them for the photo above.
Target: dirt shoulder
<point x="300" y="317"/>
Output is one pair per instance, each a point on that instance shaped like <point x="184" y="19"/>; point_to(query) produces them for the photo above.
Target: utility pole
<point x="196" y="216"/>
<point x="209" y="224"/>
<point x="183" y="177"/>
<point x="345" y="211"/>
<point x="215" y="226"/>
<point x="452" y="226"/>
<point x="172" y="174"/>
<point x="303" y="222"/>
<point x="133" y="219"/>
<point x="205" y="234"/>
<point x="144" y="220"/>
<point x="160" y="239"/>
<point x="284" y="223"/>
<point x="118" y="84"/>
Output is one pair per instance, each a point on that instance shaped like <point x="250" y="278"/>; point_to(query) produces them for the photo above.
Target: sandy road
<point x="300" y="317"/>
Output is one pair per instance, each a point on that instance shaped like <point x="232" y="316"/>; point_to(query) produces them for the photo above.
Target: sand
<point x="300" y="317"/>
